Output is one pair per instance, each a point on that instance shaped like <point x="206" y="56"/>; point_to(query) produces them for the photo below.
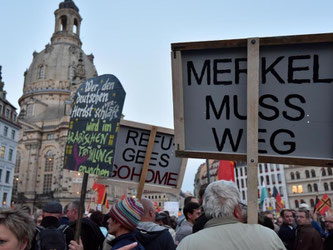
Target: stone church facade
<point x="49" y="85"/>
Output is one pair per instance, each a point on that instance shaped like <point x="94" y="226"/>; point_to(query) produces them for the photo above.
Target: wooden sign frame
<point x="177" y="79"/>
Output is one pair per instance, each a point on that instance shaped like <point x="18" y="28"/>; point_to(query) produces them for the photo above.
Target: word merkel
<point x="213" y="70"/>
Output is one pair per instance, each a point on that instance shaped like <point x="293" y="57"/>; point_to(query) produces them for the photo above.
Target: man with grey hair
<point x="225" y="230"/>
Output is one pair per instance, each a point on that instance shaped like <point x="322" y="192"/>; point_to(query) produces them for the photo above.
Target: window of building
<point x="326" y="186"/>
<point x="47" y="183"/>
<point x="245" y="169"/>
<point x="7" y="113"/>
<point x="294" y="189"/>
<point x="313" y="173"/>
<point x="312" y="203"/>
<point x="13" y="134"/>
<point x="315" y="187"/>
<point x="329" y="170"/>
<point x="260" y="168"/>
<point x="277" y="167"/>
<point x="7" y="176"/>
<point x="309" y="188"/>
<point x="30" y="110"/>
<point x="281" y="191"/>
<point x="298" y="175"/>
<point x="279" y="178"/>
<point x="241" y="172"/>
<point x="266" y="168"/>
<point x="10" y="154"/>
<point x="292" y="175"/>
<point x="307" y="174"/>
<point x="1" y="109"/>
<point x="238" y="184"/>
<point x="267" y="180"/>
<point x="3" y="151"/>
<point x="273" y="178"/>
<point x="0" y="174"/>
<point x="49" y="161"/>
<point x="323" y="172"/>
<point x="15" y="184"/>
<point x="242" y="181"/>
<point x="302" y="201"/>
<point x="63" y="20"/>
<point x="272" y="167"/>
<point x="243" y="194"/>
<point x="4" y="198"/>
<point x="41" y="73"/>
<point x="5" y="131"/>
<point x="18" y="162"/>
<point x="296" y="204"/>
<point x="50" y="136"/>
<point x="299" y="189"/>
<point x="14" y="117"/>
<point x="261" y="180"/>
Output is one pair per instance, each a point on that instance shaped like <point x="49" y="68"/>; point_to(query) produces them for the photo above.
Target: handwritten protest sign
<point x="165" y="171"/>
<point x="94" y="126"/>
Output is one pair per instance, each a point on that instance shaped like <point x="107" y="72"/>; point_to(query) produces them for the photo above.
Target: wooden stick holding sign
<point x="146" y="162"/>
<point x="252" y="129"/>
<point x="82" y="199"/>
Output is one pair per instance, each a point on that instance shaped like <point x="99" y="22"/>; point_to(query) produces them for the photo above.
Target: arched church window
<point x="76" y="27"/>
<point x="41" y="72"/>
<point x="296" y="203"/>
<point x="30" y="109"/>
<point x="63" y="20"/>
<point x="329" y="170"/>
<point x="292" y="175"/>
<point x="323" y="172"/>
<point x="49" y="161"/>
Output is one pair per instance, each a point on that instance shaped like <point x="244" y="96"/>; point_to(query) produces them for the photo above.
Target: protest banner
<point x="295" y="116"/>
<point x="93" y="129"/>
<point x="257" y="99"/>
<point x="165" y="172"/>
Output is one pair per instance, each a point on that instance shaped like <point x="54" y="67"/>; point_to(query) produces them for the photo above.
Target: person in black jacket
<point x="151" y="235"/>
<point x="91" y="235"/>
<point x="328" y="244"/>
<point x="287" y="231"/>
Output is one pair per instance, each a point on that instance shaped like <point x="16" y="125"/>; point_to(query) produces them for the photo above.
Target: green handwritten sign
<point x="94" y="126"/>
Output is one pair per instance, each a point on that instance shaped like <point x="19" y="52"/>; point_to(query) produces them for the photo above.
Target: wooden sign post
<point x="146" y="163"/>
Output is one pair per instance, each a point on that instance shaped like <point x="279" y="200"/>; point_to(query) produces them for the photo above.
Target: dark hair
<point x="97" y="217"/>
<point x="286" y="210"/>
<point x="188" y="199"/>
<point x="265" y="221"/>
<point x="189" y="208"/>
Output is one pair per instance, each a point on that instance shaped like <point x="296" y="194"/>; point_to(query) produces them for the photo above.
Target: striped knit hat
<point x="127" y="212"/>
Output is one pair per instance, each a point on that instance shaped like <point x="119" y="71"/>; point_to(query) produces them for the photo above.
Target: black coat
<point x="328" y="244"/>
<point x="156" y="240"/>
<point x="287" y="235"/>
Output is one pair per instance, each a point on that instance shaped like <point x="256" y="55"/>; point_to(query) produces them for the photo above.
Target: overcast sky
<point x="131" y="39"/>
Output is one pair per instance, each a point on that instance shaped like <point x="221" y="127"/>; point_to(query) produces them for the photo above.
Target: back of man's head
<point x="148" y="210"/>
<point x="220" y="199"/>
<point x="189" y="199"/>
<point x="189" y="208"/>
<point x="201" y="192"/>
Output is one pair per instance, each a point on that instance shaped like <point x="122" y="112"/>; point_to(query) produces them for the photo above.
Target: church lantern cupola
<point x="67" y="24"/>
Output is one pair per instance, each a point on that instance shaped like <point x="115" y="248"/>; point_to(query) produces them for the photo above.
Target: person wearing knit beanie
<point x="125" y="216"/>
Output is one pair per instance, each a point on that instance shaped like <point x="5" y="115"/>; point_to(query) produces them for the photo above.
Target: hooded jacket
<point x="154" y="237"/>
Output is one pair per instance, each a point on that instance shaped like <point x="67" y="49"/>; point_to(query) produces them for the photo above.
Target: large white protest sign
<point x="295" y="99"/>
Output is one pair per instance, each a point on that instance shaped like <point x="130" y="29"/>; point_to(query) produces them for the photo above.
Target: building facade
<point x="9" y="129"/>
<point x="269" y="175"/>
<point x="305" y="183"/>
<point x="49" y="86"/>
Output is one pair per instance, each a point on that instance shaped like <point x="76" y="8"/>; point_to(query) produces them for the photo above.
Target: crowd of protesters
<point x="216" y="220"/>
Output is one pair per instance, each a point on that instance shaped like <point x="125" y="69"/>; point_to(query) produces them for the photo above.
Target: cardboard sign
<point x="94" y="126"/>
<point x="165" y="171"/>
<point x="295" y="99"/>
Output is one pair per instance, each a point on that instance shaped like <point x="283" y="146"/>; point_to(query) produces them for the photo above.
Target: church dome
<point x="56" y="72"/>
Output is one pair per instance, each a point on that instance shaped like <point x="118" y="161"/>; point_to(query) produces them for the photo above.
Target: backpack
<point x="51" y="238"/>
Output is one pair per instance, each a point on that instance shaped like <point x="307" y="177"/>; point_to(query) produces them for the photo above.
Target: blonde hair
<point x="19" y="222"/>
